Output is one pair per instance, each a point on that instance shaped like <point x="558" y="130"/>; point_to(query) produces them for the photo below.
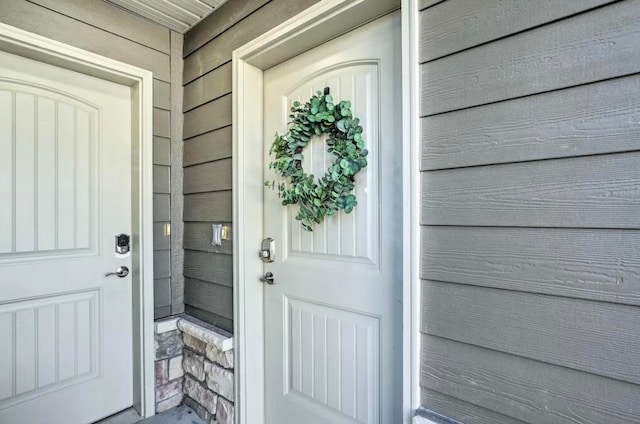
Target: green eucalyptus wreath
<point x="332" y="192"/>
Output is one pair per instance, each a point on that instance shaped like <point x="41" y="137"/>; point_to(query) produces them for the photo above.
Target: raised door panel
<point x="54" y="343"/>
<point x="332" y="360"/>
<point x="353" y="236"/>
<point x="48" y="145"/>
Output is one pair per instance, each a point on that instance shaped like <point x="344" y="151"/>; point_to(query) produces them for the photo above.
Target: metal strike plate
<point x="268" y="250"/>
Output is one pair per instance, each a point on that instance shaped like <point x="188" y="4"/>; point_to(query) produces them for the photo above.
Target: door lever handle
<point x="268" y="278"/>
<point x="121" y="272"/>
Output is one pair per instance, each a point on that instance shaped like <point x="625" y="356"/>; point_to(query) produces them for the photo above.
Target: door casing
<point x="314" y="26"/>
<point x="32" y="46"/>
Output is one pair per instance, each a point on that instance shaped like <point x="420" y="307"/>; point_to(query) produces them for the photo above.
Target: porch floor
<point x="178" y="415"/>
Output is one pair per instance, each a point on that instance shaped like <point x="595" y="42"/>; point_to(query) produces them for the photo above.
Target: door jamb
<point x="33" y="46"/>
<point x="314" y="26"/>
<point x="411" y="239"/>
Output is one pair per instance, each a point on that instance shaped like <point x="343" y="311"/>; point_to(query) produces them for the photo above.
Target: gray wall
<point x="104" y="29"/>
<point x="207" y="147"/>
<point x="530" y="212"/>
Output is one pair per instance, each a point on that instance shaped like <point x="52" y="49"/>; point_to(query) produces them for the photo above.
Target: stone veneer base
<point x="194" y="366"/>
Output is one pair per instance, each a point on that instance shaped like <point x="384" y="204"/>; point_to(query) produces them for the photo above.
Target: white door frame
<point x="314" y="26"/>
<point x="23" y="43"/>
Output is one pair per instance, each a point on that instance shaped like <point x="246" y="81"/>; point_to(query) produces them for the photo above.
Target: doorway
<point x="319" y="24"/>
<point x="333" y="318"/>
<point x="77" y="130"/>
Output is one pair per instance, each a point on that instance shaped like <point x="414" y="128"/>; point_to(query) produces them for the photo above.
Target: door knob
<point x="121" y="272"/>
<point x="268" y="278"/>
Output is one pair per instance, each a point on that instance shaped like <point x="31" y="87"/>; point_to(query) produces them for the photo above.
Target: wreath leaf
<point x="333" y="191"/>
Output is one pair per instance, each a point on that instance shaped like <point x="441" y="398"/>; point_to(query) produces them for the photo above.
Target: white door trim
<point x="411" y="212"/>
<point x="23" y="43"/>
<point x="316" y="25"/>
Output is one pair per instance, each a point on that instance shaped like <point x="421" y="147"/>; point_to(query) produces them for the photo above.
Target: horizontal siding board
<point x="161" y="94"/>
<point x="208" y="207"/>
<point x="161" y="179"/>
<point x="593" y="46"/>
<point x="581" y="263"/>
<point x="595" y="337"/>
<point x="210" y="267"/>
<point x="212" y="176"/>
<point x="208" y="147"/>
<point x="215" y="24"/>
<point x="208" y="87"/>
<point x="42" y="21"/>
<point x="456" y="25"/>
<point x="423" y="4"/>
<point x="162" y="292"/>
<point x="593" y="191"/>
<point x="161" y="151"/>
<point x="524" y="389"/>
<point x="161" y="241"/>
<point x="218" y="51"/>
<point x="210" y="297"/>
<point x="115" y="20"/>
<point x="198" y="236"/>
<point x="213" y="319"/>
<point x="597" y="118"/>
<point x="162" y="264"/>
<point x="161" y="122"/>
<point x="462" y="412"/>
<point x="161" y="208"/>
<point x="208" y="117"/>
<point x="161" y="312"/>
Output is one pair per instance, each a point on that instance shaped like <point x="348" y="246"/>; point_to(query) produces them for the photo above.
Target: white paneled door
<point x="333" y="329"/>
<point x="65" y="192"/>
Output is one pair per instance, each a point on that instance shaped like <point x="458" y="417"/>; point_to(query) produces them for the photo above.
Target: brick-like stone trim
<point x="168" y="366"/>
<point x="194" y="366"/>
<point x="207" y="333"/>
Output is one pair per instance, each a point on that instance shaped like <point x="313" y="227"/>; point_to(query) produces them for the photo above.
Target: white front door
<point x="65" y="192"/>
<point x="333" y="329"/>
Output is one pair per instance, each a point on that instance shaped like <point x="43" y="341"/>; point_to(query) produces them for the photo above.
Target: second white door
<point x="65" y="192"/>
<point x="333" y="320"/>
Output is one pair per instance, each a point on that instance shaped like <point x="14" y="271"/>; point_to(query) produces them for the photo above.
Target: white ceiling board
<point x="178" y="15"/>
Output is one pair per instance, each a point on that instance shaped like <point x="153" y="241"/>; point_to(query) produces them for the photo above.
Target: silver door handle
<point x="268" y="278"/>
<point x="121" y="272"/>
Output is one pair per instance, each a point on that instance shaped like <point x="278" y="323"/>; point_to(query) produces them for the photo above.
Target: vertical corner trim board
<point x="177" y="175"/>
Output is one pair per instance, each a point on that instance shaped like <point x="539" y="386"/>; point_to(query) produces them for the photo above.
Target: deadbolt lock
<point x="268" y="250"/>
<point x="123" y="244"/>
